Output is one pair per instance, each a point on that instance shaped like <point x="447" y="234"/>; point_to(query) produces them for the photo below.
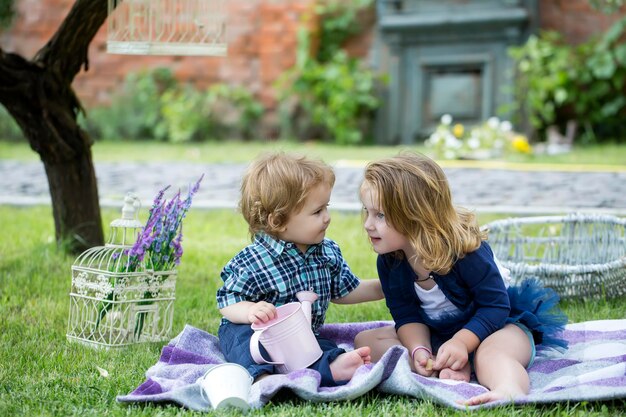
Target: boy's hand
<point x="261" y="312"/>
<point x="452" y="354"/>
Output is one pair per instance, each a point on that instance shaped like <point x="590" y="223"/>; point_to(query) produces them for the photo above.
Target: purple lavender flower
<point x="158" y="198"/>
<point x="178" y="247"/>
<point x="160" y="241"/>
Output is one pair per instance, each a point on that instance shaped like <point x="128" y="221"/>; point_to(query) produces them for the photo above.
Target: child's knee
<point x="360" y="339"/>
<point x="367" y="338"/>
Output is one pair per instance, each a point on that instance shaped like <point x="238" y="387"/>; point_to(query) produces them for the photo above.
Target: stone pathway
<point x="485" y="190"/>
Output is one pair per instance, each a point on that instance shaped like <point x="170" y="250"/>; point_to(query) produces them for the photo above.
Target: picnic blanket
<point x="592" y="368"/>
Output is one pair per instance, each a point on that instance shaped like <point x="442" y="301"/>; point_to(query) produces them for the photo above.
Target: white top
<point x="435" y="303"/>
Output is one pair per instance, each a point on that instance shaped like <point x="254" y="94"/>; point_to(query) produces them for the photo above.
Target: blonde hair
<point x="415" y="197"/>
<point x="275" y="186"/>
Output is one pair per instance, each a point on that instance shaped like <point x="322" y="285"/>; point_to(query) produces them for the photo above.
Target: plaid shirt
<point x="274" y="271"/>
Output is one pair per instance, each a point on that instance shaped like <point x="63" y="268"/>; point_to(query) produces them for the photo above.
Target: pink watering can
<point x="288" y="337"/>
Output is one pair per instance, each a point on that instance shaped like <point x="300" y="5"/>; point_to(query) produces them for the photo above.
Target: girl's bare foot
<point x="493" y="396"/>
<point x="344" y="366"/>
<point x="461" y="375"/>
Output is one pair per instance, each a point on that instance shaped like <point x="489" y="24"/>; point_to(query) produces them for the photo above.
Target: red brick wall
<point x="261" y="45"/>
<point x="261" y="36"/>
<point x="575" y="19"/>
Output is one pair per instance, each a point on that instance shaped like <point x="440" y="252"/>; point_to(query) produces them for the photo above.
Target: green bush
<point x="183" y="115"/>
<point x="338" y="20"/>
<point x="7" y="12"/>
<point x="154" y="105"/>
<point x="557" y="82"/>
<point x="329" y="95"/>
<point x="135" y="112"/>
<point x="607" y="6"/>
<point x="333" y="100"/>
<point x="233" y="111"/>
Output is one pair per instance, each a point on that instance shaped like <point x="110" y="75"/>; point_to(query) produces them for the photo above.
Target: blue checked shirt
<point x="274" y="271"/>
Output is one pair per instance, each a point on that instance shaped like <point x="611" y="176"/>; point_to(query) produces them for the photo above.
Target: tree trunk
<point x="39" y="95"/>
<point x="78" y="225"/>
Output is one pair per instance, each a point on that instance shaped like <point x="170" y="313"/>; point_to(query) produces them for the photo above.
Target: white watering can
<point x="288" y="337"/>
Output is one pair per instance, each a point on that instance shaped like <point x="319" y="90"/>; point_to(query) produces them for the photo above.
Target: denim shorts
<point x="235" y="345"/>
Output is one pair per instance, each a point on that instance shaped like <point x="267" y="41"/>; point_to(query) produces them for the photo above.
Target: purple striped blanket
<point x="593" y="368"/>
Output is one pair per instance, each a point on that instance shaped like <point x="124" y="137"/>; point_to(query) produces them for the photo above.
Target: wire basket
<point x="578" y="255"/>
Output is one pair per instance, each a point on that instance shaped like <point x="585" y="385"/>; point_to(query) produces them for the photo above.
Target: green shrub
<point x="222" y="112"/>
<point x="329" y="95"/>
<point x="607" y="6"/>
<point x="7" y="12"/>
<point x="135" y="112"/>
<point x="338" y="23"/>
<point x="557" y="82"/>
<point x="233" y="112"/>
<point x="333" y="100"/>
<point x="154" y="105"/>
<point x="182" y="115"/>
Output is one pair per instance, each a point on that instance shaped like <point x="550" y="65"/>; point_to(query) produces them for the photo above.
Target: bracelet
<point x="415" y="349"/>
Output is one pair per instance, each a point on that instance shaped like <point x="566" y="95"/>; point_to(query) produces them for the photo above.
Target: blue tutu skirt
<point x="537" y="308"/>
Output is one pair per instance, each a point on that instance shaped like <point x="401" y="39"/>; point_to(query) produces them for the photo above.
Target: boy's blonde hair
<point x="275" y="186"/>
<point x="415" y="197"/>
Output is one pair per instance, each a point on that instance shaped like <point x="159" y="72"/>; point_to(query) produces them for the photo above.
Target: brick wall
<point x="575" y="19"/>
<point x="261" y="36"/>
<point x="261" y="45"/>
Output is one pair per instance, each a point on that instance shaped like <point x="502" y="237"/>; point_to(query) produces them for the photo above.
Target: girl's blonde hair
<point x="275" y="186"/>
<point x="415" y="197"/>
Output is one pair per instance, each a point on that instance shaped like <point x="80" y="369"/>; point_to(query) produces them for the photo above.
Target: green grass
<point x="612" y="155"/>
<point x="43" y="374"/>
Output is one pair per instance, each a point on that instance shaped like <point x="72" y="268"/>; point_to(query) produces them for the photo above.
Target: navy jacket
<point x="474" y="285"/>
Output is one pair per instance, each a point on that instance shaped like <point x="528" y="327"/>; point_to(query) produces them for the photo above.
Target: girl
<point x="443" y="286"/>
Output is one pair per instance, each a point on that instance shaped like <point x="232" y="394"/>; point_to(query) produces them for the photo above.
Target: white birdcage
<point x="167" y="27"/>
<point x="116" y="303"/>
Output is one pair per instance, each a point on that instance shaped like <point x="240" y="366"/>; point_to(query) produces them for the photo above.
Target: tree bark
<point x="39" y="95"/>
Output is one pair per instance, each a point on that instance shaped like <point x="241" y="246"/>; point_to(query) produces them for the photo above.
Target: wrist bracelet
<point x="415" y="349"/>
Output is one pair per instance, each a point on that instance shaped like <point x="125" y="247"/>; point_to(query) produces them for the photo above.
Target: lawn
<point x="42" y="374"/>
<point x="604" y="156"/>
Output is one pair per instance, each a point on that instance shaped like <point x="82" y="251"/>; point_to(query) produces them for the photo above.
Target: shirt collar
<point x="276" y="246"/>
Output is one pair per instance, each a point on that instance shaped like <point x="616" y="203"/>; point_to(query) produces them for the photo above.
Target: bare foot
<point x="344" y="366"/>
<point x="462" y="375"/>
<point x="492" y="396"/>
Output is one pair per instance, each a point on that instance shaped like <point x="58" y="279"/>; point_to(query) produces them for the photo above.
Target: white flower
<point x="473" y="142"/>
<point x="433" y="139"/>
<point x="506" y="126"/>
<point x="493" y="122"/>
<point x="452" y="141"/>
<point x="446" y="119"/>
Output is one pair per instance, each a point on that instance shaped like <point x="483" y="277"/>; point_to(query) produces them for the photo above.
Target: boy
<point x="284" y="200"/>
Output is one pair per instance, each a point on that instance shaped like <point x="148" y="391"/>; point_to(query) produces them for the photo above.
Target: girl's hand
<point x="423" y="363"/>
<point x="452" y="354"/>
<point x="261" y="312"/>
